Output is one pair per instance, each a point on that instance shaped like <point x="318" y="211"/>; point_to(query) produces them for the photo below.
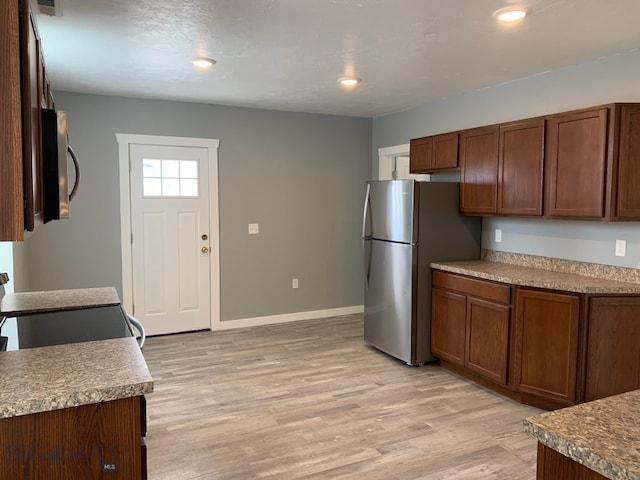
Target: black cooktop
<point x="66" y="326"/>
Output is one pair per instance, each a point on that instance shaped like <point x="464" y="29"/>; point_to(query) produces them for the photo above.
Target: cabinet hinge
<point x="132" y="239"/>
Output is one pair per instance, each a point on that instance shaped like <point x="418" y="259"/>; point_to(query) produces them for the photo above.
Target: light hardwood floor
<point x="309" y="400"/>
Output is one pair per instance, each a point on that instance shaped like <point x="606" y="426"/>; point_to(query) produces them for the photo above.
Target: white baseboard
<point x="287" y="317"/>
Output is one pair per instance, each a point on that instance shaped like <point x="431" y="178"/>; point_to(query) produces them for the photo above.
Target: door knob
<point x="204" y="236"/>
<point x="204" y="250"/>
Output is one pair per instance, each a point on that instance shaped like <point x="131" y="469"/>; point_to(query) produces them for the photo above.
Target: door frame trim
<point x="212" y="145"/>
<point x="386" y="156"/>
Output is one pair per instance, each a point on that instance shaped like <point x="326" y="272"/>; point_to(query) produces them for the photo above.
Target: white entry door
<point x="170" y="248"/>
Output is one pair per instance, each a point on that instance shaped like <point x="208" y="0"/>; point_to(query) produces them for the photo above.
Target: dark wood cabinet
<point x="546" y="345"/>
<point x="576" y="166"/>
<point x="613" y="346"/>
<point x="626" y="175"/>
<point x="32" y="81"/>
<point x="99" y="440"/>
<point x="24" y="91"/>
<point x="470" y="324"/>
<point x="487" y="339"/>
<point x="479" y="170"/>
<point x="552" y="465"/>
<point x="434" y="153"/>
<point x="448" y="325"/>
<point x="583" y="164"/>
<point x="501" y="169"/>
<point x="552" y="349"/>
<point x="520" y="165"/>
<point x="11" y="186"/>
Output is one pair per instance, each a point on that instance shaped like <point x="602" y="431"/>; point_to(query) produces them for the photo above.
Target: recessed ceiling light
<point x="202" y="62"/>
<point x="510" y="14"/>
<point x="349" y="81"/>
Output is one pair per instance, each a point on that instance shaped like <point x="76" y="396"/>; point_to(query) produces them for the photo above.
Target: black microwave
<point x="56" y="152"/>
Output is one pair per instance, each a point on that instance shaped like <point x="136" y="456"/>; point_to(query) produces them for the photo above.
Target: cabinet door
<point x="11" y="187"/>
<point x="520" y="162"/>
<point x="487" y="339"/>
<point x="628" y="184"/>
<point x="479" y="170"/>
<point x="445" y="152"/>
<point x="420" y="154"/>
<point x="546" y="344"/>
<point x="576" y="162"/>
<point x="613" y="349"/>
<point x="31" y="123"/>
<point x="448" y="325"/>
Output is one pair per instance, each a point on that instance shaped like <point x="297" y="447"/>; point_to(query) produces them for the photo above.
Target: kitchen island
<point x="74" y="410"/>
<point x="592" y="441"/>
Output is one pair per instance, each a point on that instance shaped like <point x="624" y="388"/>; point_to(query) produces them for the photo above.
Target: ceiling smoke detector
<point x="52" y="8"/>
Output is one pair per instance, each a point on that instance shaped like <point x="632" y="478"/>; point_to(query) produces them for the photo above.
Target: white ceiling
<point x="288" y="54"/>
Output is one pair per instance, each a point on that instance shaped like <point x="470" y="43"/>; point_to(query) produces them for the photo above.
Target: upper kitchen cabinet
<point x="626" y="201"/>
<point x="576" y="163"/>
<point x="23" y="92"/>
<point x="479" y="170"/>
<point x="592" y="163"/>
<point x="501" y="169"/>
<point x="434" y="154"/>
<point x="520" y="163"/>
<point x="11" y="188"/>
<point x="32" y="79"/>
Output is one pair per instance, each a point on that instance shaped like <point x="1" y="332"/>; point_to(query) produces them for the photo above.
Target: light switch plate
<point x="498" y="235"/>
<point x="253" y="229"/>
<point x="621" y="248"/>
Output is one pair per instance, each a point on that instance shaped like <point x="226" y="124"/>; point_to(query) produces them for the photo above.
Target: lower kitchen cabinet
<point x="546" y="345"/>
<point x="613" y="346"/>
<point x="447" y="325"/>
<point x="487" y="335"/>
<point x="470" y="324"/>
<point x="550" y="349"/>
<point x="98" y="440"/>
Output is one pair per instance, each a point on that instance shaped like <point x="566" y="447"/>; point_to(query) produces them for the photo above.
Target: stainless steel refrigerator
<point x="406" y="226"/>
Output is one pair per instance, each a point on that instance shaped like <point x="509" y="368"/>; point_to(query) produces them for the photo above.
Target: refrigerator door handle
<point x="366" y="247"/>
<point x="366" y="215"/>
<point x="366" y="261"/>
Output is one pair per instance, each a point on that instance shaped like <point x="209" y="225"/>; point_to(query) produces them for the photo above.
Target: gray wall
<point x="300" y="176"/>
<point x="602" y="81"/>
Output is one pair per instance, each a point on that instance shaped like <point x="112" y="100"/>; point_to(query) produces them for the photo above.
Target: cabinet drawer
<point x="488" y="290"/>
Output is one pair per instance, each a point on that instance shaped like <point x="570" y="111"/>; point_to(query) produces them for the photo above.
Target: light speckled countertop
<point x="62" y="376"/>
<point x="54" y="300"/>
<point x="537" y="277"/>
<point x="603" y="435"/>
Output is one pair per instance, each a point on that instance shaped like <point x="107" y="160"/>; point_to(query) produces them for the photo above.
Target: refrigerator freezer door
<point x="388" y="298"/>
<point x="390" y="213"/>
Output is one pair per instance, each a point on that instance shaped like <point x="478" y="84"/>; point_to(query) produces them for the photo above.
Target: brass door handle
<point x="204" y="250"/>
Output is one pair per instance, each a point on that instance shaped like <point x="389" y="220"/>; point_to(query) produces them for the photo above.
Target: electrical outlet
<point x="253" y="229"/>
<point x="294" y="283"/>
<point x="621" y="248"/>
<point x="498" y="235"/>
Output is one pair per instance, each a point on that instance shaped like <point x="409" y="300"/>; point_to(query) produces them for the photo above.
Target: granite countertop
<point x="54" y="300"/>
<point x="603" y="435"/>
<point x="537" y="277"/>
<point x="62" y="376"/>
